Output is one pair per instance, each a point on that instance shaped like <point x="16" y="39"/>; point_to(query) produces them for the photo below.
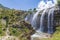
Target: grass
<point x="14" y="31"/>
<point x="2" y="29"/>
<point x="2" y="33"/>
<point x="56" y="35"/>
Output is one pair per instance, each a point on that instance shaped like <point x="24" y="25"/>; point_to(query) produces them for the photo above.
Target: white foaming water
<point x="41" y="6"/>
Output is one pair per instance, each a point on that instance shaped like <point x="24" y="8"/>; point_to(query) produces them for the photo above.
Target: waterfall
<point x="34" y="20"/>
<point x="35" y="16"/>
<point x="50" y="21"/>
<point x="49" y="6"/>
<point x="42" y="22"/>
<point x="45" y="11"/>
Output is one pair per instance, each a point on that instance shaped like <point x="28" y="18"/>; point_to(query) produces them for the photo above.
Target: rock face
<point x="57" y="18"/>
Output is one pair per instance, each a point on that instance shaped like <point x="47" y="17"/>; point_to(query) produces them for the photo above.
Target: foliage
<point x="14" y="31"/>
<point x="58" y="2"/>
<point x="2" y="32"/>
<point x="56" y="35"/>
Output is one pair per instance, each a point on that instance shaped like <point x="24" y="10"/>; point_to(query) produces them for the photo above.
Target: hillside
<point x="1" y="6"/>
<point x="13" y="26"/>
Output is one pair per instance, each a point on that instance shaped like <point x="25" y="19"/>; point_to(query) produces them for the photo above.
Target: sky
<point x="20" y="4"/>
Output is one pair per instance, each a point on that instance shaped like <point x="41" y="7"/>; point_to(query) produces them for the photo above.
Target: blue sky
<point x="20" y="4"/>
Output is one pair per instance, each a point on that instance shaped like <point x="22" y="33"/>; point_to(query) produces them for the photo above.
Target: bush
<point x="14" y="31"/>
<point x="2" y="33"/>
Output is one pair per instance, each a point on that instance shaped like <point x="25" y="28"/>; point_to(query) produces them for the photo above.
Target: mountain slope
<point x="1" y="6"/>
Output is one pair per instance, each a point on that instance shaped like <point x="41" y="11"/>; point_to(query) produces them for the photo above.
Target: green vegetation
<point x="2" y="32"/>
<point x="15" y="31"/>
<point x="13" y="21"/>
<point x="56" y="35"/>
<point x="2" y="29"/>
<point x="58" y="2"/>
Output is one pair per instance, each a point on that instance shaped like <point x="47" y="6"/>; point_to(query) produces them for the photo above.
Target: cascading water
<point x="46" y="11"/>
<point x="50" y="21"/>
<point x="42" y="22"/>
<point x="44" y="6"/>
<point x="34" y="20"/>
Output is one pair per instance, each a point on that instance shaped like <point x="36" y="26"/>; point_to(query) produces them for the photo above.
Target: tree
<point x="30" y="11"/>
<point x="34" y="10"/>
<point x="58" y="2"/>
